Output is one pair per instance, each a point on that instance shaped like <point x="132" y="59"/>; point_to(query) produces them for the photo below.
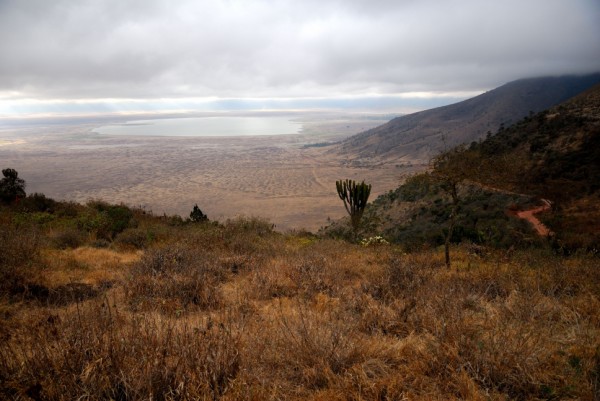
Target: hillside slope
<point x="421" y="135"/>
<point x="553" y="155"/>
<point x="102" y="302"/>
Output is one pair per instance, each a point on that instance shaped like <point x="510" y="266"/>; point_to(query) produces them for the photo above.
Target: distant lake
<point x="204" y="126"/>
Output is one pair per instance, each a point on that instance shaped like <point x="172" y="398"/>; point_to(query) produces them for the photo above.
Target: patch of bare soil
<point x="529" y="215"/>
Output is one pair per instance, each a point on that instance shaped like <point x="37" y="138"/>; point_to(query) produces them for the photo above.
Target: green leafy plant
<point x="110" y="219"/>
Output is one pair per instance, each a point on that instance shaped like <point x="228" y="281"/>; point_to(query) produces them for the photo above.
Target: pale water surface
<point x="205" y="126"/>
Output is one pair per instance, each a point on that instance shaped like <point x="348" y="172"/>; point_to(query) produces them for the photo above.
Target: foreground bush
<point x="68" y="238"/>
<point x="102" y="354"/>
<point x="175" y="278"/>
<point x="135" y="238"/>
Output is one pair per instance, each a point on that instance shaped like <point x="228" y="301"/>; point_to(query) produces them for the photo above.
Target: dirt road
<point x="529" y="215"/>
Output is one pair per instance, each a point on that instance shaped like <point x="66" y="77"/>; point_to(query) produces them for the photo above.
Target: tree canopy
<point x="11" y="186"/>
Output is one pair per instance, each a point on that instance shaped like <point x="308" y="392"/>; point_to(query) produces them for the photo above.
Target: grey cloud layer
<point x="287" y="48"/>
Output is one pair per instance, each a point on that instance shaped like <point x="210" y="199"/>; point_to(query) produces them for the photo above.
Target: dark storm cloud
<point x="155" y="48"/>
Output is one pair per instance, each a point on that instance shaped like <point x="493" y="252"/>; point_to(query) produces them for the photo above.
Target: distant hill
<point x="421" y="135"/>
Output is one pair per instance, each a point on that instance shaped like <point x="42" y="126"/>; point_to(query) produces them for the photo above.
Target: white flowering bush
<point x="371" y="241"/>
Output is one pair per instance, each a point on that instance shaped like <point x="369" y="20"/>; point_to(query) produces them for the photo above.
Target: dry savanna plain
<point x="275" y="177"/>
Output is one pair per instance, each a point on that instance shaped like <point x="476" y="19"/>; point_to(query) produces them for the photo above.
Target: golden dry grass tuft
<point x="87" y="265"/>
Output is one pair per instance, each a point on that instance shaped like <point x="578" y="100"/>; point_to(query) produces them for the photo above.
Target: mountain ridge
<point x="421" y="135"/>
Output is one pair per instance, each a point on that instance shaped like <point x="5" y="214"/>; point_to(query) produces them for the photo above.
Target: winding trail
<point x="529" y="215"/>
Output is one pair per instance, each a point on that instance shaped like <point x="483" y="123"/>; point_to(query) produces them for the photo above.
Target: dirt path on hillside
<point x="529" y="215"/>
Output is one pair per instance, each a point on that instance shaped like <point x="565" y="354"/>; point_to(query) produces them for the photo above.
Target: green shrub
<point x="37" y="202"/>
<point x="68" y="238"/>
<point x="133" y="238"/>
<point x="68" y="209"/>
<point x="37" y="218"/>
<point x="105" y="220"/>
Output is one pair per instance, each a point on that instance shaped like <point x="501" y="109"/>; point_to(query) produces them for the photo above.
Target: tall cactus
<point x="355" y="198"/>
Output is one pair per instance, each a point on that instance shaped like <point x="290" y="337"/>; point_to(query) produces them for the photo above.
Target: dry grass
<point x="87" y="265"/>
<point x="174" y="279"/>
<point x="19" y="259"/>
<point x="241" y="312"/>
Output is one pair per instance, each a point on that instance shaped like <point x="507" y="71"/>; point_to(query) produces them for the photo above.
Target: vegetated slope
<point x="107" y="302"/>
<point x="416" y="215"/>
<point x="420" y="136"/>
<point x="553" y="155"/>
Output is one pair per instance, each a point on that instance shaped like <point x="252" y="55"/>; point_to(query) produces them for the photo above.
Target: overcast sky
<point x="103" y="51"/>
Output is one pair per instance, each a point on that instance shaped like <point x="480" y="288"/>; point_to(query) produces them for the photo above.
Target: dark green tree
<point x="197" y="216"/>
<point x="355" y="198"/>
<point x="11" y="186"/>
